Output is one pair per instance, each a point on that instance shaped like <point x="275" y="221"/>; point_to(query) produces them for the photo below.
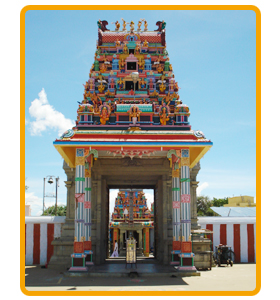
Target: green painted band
<point x="87" y="189"/>
<point x="79" y="179"/>
<point x="175" y="189"/>
<point x="185" y="180"/>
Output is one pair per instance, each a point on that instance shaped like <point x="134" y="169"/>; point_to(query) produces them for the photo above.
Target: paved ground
<point x="240" y="277"/>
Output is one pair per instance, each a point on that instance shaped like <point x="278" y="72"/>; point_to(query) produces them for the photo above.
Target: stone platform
<point x="119" y="269"/>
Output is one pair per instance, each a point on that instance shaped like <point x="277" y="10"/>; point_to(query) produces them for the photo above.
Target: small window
<point x="131" y="66"/>
<point x="131" y="51"/>
<point x="129" y="85"/>
<point x="82" y="118"/>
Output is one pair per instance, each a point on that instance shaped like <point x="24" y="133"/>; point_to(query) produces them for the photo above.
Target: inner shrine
<point x="132" y="133"/>
<point x="132" y="217"/>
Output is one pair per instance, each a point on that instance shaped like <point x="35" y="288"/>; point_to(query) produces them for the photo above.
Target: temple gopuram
<point x="132" y="132"/>
<point x="132" y="217"/>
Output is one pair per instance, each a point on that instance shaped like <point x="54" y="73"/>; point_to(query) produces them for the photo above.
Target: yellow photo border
<point x="22" y="150"/>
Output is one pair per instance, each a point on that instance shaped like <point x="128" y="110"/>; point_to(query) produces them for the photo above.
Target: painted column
<point x="78" y="257"/>
<point x="185" y="196"/>
<point x="79" y="197"/>
<point x="186" y="255"/>
<point x="87" y="208"/>
<point x="174" y="157"/>
<point x="147" y="243"/>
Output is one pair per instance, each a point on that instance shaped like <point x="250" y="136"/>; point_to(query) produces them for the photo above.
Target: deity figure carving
<point x="112" y="83"/>
<point x="122" y="65"/>
<point x="134" y="114"/>
<point x="158" y="60"/>
<point x="131" y="26"/>
<point x="124" y="25"/>
<point x="100" y="77"/>
<point x="154" y="94"/>
<point x="145" y="44"/>
<point x="141" y="65"/>
<point x="145" y="25"/>
<point x="139" y="25"/>
<point x="91" y="84"/>
<point x="160" y="69"/>
<point x="106" y="61"/>
<point x="101" y="87"/>
<point x="104" y="115"/>
<point x="137" y="49"/>
<point x="86" y="86"/>
<point x="121" y="83"/>
<point x="162" y="87"/>
<point x="117" y="25"/>
<point x="118" y="43"/>
<point x="167" y="99"/>
<point x="96" y="101"/>
<point x="103" y="68"/>
<point x="142" y="83"/>
<point x="163" y="115"/>
<point x="125" y="49"/>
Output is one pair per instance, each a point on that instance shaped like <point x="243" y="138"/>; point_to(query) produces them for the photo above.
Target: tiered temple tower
<point x="132" y="130"/>
<point x="140" y="225"/>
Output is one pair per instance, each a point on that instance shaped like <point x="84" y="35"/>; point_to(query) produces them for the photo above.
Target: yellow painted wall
<point x="242" y="201"/>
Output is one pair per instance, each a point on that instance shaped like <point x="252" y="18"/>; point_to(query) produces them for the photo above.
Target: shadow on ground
<point x="35" y="276"/>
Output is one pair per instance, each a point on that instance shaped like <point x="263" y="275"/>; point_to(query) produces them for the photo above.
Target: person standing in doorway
<point x="116" y="249"/>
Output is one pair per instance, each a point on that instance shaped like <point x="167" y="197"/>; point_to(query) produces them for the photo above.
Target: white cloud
<point x="201" y="187"/>
<point x="46" y="117"/>
<point x="150" y="198"/>
<point x="36" y="203"/>
<point x="112" y="197"/>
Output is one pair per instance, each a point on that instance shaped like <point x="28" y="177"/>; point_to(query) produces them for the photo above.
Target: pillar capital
<point x="194" y="184"/>
<point x="68" y="183"/>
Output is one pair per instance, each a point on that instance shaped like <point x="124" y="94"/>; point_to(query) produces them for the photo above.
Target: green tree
<point x="219" y="202"/>
<point x="203" y="206"/>
<point x="50" y="211"/>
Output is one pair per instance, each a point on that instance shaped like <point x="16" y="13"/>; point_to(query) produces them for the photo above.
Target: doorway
<point x="137" y="221"/>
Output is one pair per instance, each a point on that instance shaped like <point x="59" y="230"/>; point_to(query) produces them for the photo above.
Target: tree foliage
<point x="50" y="211"/>
<point x="219" y="202"/>
<point x="204" y="205"/>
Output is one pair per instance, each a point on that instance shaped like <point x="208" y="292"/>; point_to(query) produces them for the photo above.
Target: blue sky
<point x="213" y="54"/>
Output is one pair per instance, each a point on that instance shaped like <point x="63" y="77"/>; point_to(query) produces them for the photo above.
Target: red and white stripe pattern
<point x="39" y="234"/>
<point x="237" y="232"/>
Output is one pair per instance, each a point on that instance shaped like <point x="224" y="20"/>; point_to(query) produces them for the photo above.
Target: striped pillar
<point x="176" y="206"/>
<point x="185" y="196"/>
<point x="87" y="203"/>
<point x="80" y="198"/>
<point x="174" y="157"/>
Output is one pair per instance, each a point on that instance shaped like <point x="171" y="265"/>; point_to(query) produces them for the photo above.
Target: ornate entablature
<point x="131" y="68"/>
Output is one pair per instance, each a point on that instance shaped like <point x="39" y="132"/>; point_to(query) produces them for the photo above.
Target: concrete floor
<point x="240" y="277"/>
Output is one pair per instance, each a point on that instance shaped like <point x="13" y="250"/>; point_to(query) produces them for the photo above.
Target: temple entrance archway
<point x="125" y="173"/>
